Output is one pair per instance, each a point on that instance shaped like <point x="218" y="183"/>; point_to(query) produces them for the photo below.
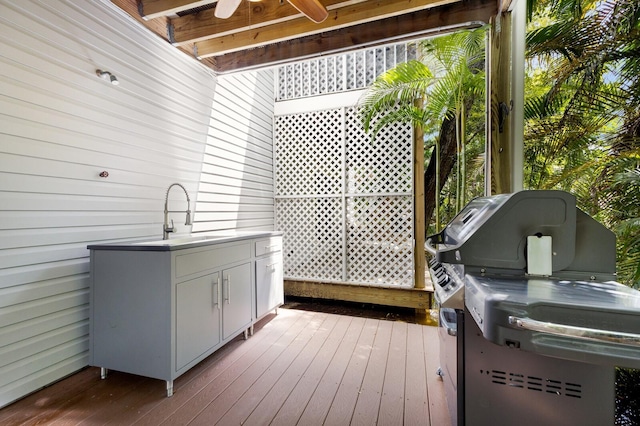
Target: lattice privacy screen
<point x="344" y="202"/>
<point x="355" y="70"/>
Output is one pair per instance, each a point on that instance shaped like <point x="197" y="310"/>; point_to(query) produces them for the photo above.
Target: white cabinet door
<point x="269" y="286"/>
<point x="236" y="295"/>
<point x="197" y="317"/>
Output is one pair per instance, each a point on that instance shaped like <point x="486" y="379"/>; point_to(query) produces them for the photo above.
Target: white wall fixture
<point x="106" y="75"/>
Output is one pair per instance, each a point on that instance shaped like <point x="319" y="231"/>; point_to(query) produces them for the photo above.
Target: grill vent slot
<point x="536" y="384"/>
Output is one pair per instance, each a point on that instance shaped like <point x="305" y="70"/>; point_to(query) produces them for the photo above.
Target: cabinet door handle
<point x="228" y="298"/>
<point x="216" y="296"/>
<point x="214" y="299"/>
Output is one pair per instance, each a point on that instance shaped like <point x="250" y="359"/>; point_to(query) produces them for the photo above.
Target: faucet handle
<point x="171" y="228"/>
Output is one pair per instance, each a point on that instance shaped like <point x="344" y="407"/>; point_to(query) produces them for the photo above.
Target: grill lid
<point x="492" y="232"/>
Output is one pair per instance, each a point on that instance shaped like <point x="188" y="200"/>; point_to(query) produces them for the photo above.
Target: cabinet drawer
<point x="213" y="258"/>
<point x="270" y="245"/>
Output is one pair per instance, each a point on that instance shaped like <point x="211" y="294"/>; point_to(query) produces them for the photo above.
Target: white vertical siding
<point x="236" y="189"/>
<point x="60" y="126"/>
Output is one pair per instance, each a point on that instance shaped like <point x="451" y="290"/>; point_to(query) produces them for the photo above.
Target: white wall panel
<point x="60" y="126"/>
<point x="236" y="189"/>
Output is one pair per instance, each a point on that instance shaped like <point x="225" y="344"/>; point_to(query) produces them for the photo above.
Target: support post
<point x="418" y="203"/>
<point x="499" y="144"/>
<point x="505" y="112"/>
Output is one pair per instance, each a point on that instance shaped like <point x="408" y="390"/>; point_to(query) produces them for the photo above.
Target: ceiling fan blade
<point x="225" y="8"/>
<point x="313" y="9"/>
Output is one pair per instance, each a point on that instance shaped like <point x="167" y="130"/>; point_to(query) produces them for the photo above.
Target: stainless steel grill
<point x="532" y="323"/>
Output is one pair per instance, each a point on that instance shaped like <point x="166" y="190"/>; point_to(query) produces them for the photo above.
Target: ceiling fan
<point x="313" y="9"/>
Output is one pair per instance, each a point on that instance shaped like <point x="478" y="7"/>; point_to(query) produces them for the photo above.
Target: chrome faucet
<point x="166" y="229"/>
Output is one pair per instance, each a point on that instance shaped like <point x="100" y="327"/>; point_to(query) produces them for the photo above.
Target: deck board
<point x="297" y="401"/>
<point x="269" y="406"/>
<point x="366" y="411"/>
<point x="438" y="411"/>
<point x="324" y="395"/>
<point x="300" y="367"/>
<point x="229" y="385"/>
<point x="256" y="391"/>
<point x="391" y="411"/>
<point x="347" y="395"/>
<point x="416" y="407"/>
<point x="196" y="379"/>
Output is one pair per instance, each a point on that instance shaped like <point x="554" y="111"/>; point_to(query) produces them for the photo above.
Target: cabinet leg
<point x="103" y="373"/>
<point x="169" y="388"/>
<point x="246" y="333"/>
<point x="251" y="330"/>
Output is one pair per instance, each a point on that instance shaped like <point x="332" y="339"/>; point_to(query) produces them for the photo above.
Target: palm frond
<point x="398" y="87"/>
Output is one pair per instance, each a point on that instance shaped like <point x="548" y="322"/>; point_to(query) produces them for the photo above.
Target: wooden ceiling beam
<point x="403" y="27"/>
<point x="151" y="9"/>
<point x="300" y="27"/>
<point x="203" y="25"/>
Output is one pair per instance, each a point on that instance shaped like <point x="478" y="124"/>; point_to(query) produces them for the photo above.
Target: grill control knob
<point x="443" y="280"/>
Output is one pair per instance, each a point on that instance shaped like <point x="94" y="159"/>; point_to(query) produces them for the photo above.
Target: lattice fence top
<point x="332" y="74"/>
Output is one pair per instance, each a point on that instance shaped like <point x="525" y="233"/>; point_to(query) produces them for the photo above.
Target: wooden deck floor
<point x="300" y="367"/>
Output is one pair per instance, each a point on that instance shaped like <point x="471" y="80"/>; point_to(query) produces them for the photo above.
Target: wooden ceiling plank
<point x="203" y="25"/>
<point x="300" y="27"/>
<point x="157" y="26"/>
<point x="152" y="9"/>
<point x="398" y="28"/>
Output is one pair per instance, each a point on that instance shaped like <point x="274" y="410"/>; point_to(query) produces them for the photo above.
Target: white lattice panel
<point x="343" y="203"/>
<point x="380" y="165"/>
<point x="308" y="153"/>
<point x="379" y="240"/>
<point x="313" y="237"/>
<point x="331" y="74"/>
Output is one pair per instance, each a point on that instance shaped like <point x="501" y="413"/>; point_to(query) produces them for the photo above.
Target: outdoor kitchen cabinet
<point x="269" y="283"/>
<point x="208" y="304"/>
<point x="158" y="312"/>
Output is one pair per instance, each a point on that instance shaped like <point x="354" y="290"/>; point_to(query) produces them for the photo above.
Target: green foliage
<point x="627" y="397"/>
<point x="583" y="113"/>
<point x="392" y="97"/>
<point x="446" y="82"/>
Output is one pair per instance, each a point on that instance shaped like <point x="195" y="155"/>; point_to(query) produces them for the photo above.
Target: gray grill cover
<point x="491" y="232"/>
